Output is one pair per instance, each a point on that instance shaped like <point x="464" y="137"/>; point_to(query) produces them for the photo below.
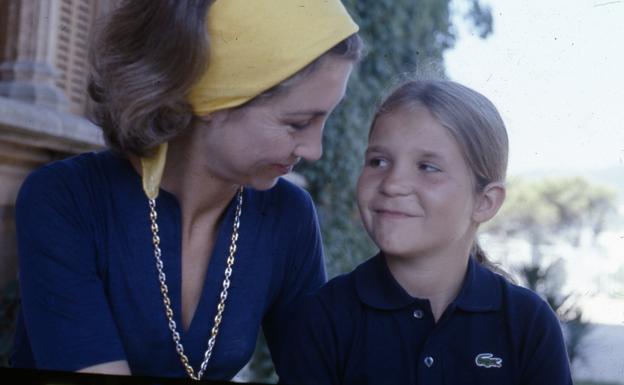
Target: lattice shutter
<point x="75" y="26"/>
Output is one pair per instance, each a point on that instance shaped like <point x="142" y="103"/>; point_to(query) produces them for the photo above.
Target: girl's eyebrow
<point x="426" y="154"/>
<point x="431" y="155"/>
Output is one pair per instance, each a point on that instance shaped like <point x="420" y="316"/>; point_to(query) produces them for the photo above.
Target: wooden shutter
<point x="75" y="26"/>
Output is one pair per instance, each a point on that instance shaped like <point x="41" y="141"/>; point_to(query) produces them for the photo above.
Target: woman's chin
<point x="264" y="183"/>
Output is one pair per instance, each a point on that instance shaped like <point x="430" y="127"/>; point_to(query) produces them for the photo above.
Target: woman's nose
<point x="310" y="144"/>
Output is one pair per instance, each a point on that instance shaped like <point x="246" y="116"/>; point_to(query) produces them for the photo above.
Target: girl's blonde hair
<point x="471" y="119"/>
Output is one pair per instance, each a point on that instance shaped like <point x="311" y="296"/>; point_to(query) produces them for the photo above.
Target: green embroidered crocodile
<point x="487" y="360"/>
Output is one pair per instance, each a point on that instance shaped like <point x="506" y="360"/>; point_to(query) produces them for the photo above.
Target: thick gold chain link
<point x="223" y="296"/>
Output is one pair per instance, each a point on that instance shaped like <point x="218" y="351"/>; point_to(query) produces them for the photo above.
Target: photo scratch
<point x="607" y="3"/>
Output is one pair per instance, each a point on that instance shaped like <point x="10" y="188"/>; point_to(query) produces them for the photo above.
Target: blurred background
<point x="554" y="70"/>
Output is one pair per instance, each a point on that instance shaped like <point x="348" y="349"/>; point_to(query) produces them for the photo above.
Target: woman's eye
<point x="300" y="125"/>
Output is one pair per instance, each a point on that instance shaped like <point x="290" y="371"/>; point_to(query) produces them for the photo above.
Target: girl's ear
<point x="489" y="202"/>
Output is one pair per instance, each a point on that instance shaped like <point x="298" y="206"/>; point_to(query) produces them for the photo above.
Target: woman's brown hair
<point x="144" y="60"/>
<point x="146" y="57"/>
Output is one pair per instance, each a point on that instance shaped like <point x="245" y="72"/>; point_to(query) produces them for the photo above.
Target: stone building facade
<point x="43" y="102"/>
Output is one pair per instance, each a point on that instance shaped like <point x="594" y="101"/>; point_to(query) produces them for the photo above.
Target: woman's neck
<point x="436" y="278"/>
<point x="203" y="199"/>
<point x="201" y="195"/>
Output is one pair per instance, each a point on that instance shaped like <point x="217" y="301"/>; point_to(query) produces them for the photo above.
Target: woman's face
<point x="255" y="145"/>
<point x="416" y="193"/>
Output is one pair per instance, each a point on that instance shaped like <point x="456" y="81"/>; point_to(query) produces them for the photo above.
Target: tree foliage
<point x="549" y="212"/>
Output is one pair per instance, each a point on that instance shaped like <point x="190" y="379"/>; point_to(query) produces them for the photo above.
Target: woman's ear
<point x="206" y="118"/>
<point x="212" y="120"/>
<point x="489" y="202"/>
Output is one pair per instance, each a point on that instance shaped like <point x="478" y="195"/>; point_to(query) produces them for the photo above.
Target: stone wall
<point x="42" y="97"/>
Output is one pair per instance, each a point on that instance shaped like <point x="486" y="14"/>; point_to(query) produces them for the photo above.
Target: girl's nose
<point x="396" y="182"/>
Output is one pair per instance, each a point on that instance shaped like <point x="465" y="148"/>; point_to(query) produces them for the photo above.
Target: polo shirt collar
<point x="377" y="288"/>
<point x="481" y="291"/>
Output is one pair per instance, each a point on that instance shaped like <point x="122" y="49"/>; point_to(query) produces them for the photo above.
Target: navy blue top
<point x="364" y="328"/>
<point x="90" y="292"/>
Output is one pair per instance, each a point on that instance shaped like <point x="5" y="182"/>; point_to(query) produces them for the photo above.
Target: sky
<point x="555" y="70"/>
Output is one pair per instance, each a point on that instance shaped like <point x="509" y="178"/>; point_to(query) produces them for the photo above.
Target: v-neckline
<point x="171" y="245"/>
<point x="214" y="272"/>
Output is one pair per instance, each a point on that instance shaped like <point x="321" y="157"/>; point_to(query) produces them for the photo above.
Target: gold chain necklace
<point x="223" y="296"/>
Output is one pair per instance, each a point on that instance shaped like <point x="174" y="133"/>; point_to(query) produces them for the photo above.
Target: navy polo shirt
<point x="364" y="328"/>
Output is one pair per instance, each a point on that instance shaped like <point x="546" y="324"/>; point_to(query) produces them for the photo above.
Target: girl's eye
<point x="426" y="167"/>
<point x="377" y="162"/>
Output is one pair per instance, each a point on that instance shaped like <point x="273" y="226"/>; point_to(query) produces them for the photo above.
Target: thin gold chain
<point x="223" y="296"/>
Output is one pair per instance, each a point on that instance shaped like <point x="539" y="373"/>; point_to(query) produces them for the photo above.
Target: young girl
<point x="429" y="308"/>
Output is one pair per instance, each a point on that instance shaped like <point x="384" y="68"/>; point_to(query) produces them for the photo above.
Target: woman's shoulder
<point x="69" y="177"/>
<point x="68" y="194"/>
<point x="55" y="173"/>
<point x="70" y="168"/>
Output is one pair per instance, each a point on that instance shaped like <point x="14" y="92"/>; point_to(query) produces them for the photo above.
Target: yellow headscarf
<point x="255" y="45"/>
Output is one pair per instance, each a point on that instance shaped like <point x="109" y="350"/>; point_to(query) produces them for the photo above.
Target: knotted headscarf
<point x="255" y="45"/>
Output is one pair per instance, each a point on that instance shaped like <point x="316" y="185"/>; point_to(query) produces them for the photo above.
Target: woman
<point x="163" y="255"/>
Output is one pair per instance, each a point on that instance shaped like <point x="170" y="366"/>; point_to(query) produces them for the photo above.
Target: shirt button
<point x="418" y="314"/>
<point x="429" y="361"/>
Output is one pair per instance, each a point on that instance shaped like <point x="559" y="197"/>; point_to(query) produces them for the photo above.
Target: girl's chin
<point x="392" y="247"/>
<point x="400" y="253"/>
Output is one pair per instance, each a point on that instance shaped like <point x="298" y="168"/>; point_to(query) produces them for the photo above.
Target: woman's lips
<point x="283" y="168"/>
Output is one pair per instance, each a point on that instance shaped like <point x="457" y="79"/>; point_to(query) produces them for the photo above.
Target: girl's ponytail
<point x="480" y="256"/>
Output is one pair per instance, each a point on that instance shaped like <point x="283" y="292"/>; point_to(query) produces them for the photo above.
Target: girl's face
<point x="416" y="193"/>
<point x="257" y="144"/>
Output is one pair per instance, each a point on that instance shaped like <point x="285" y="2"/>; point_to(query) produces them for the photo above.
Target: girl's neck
<point x="436" y="278"/>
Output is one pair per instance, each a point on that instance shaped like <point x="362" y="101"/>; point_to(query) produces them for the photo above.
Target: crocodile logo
<point x="487" y="360"/>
